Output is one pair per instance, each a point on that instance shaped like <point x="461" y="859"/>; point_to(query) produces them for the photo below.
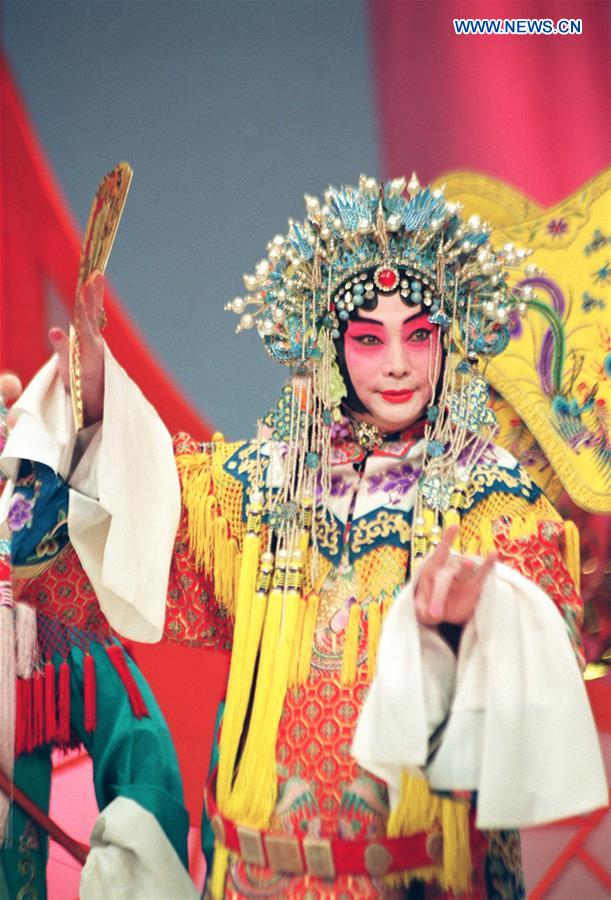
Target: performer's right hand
<point x="88" y="315"/>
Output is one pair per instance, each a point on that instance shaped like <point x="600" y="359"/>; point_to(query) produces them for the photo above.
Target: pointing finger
<point x="442" y="550"/>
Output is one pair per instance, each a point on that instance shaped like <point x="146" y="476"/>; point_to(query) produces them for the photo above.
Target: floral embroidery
<point x="21" y="512"/>
<point x="396" y="481"/>
<point x="557" y="227"/>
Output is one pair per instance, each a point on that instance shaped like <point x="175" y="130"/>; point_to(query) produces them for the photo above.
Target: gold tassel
<point x="220" y="864"/>
<point x="451" y="517"/>
<point x="373" y="637"/>
<point x="222" y="567"/>
<point x="457" y="866"/>
<point x="204" y="554"/>
<point x="246" y="638"/>
<point x="351" y="645"/>
<point x="417" y="810"/>
<point x="196" y="480"/>
<point x="264" y="790"/>
<point x="420" y="810"/>
<point x="237" y="567"/>
<point x="307" y="637"/>
<point x="572" y="553"/>
<point x="254" y="791"/>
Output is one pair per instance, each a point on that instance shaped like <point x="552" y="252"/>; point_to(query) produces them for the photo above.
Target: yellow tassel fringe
<point x="196" y="479"/>
<point x="420" y="810"/>
<point x="351" y="646"/>
<point x="374" y="619"/>
<point x="255" y="790"/>
<point x="246" y="638"/>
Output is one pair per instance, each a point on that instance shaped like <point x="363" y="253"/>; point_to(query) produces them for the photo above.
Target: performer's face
<point x="392" y="359"/>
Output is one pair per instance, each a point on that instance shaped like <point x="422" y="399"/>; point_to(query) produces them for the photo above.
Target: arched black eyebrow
<point x="359" y="318"/>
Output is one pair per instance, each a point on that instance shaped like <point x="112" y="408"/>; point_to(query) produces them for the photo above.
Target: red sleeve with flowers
<point x="193" y="615"/>
<point x="538" y="554"/>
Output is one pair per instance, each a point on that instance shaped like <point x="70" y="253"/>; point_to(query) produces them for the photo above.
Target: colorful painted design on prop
<point x="555" y="376"/>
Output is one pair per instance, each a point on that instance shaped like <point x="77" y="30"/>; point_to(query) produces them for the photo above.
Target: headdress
<point x="359" y="242"/>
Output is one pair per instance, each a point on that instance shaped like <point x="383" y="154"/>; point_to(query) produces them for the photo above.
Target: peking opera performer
<point x="394" y="588"/>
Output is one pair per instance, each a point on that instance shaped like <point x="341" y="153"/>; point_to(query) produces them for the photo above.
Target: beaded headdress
<point x="357" y="244"/>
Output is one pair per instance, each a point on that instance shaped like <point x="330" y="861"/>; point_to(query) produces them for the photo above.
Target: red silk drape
<point x="531" y="110"/>
<point x="40" y="246"/>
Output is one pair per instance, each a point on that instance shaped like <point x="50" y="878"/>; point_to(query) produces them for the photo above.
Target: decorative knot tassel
<point x="50" y="709"/>
<point x="116" y="655"/>
<point x="38" y="708"/>
<point x="250" y="612"/>
<point x="351" y="646"/>
<point x="89" y="690"/>
<point x="63" y="725"/>
<point x="374" y="621"/>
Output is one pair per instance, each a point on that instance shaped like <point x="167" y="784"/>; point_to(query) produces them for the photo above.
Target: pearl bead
<point x="247" y="321"/>
<point x="238" y="305"/>
<point x="250" y="282"/>
<point x="278" y="314"/>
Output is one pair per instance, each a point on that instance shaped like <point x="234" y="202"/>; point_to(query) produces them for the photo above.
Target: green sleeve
<point x="133" y="758"/>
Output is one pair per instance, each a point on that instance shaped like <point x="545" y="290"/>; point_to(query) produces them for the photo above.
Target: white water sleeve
<point x="132" y="859"/>
<point x="520" y="729"/>
<point x="124" y="503"/>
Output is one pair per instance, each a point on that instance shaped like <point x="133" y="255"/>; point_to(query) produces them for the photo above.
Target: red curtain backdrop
<point x="40" y="246"/>
<point x="531" y="110"/>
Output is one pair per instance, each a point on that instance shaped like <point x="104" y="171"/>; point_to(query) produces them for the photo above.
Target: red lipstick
<point x="397" y="396"/>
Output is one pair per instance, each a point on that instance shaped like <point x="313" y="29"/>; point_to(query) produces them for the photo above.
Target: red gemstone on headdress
<point x="388" y="279"/>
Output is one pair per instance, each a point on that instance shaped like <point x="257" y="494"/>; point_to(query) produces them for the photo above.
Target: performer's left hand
<point x="449" y="585"/>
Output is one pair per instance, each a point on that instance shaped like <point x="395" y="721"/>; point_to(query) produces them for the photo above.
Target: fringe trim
<point x="246" y="638"/>
<point x="421" y="810"/>
<point x="89" y="692"/>
<point x="255" y="790"/>
<point x="195" y="473"/>
<point x="63" y="726"/>
<point x="50" y="703"/>
<point x="351" y="645"/>
<point x="374" y="622"/>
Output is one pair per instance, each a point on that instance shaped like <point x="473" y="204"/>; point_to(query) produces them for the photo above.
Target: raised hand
<point x="88" y="320"/>
<point x="449" y="585"/>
